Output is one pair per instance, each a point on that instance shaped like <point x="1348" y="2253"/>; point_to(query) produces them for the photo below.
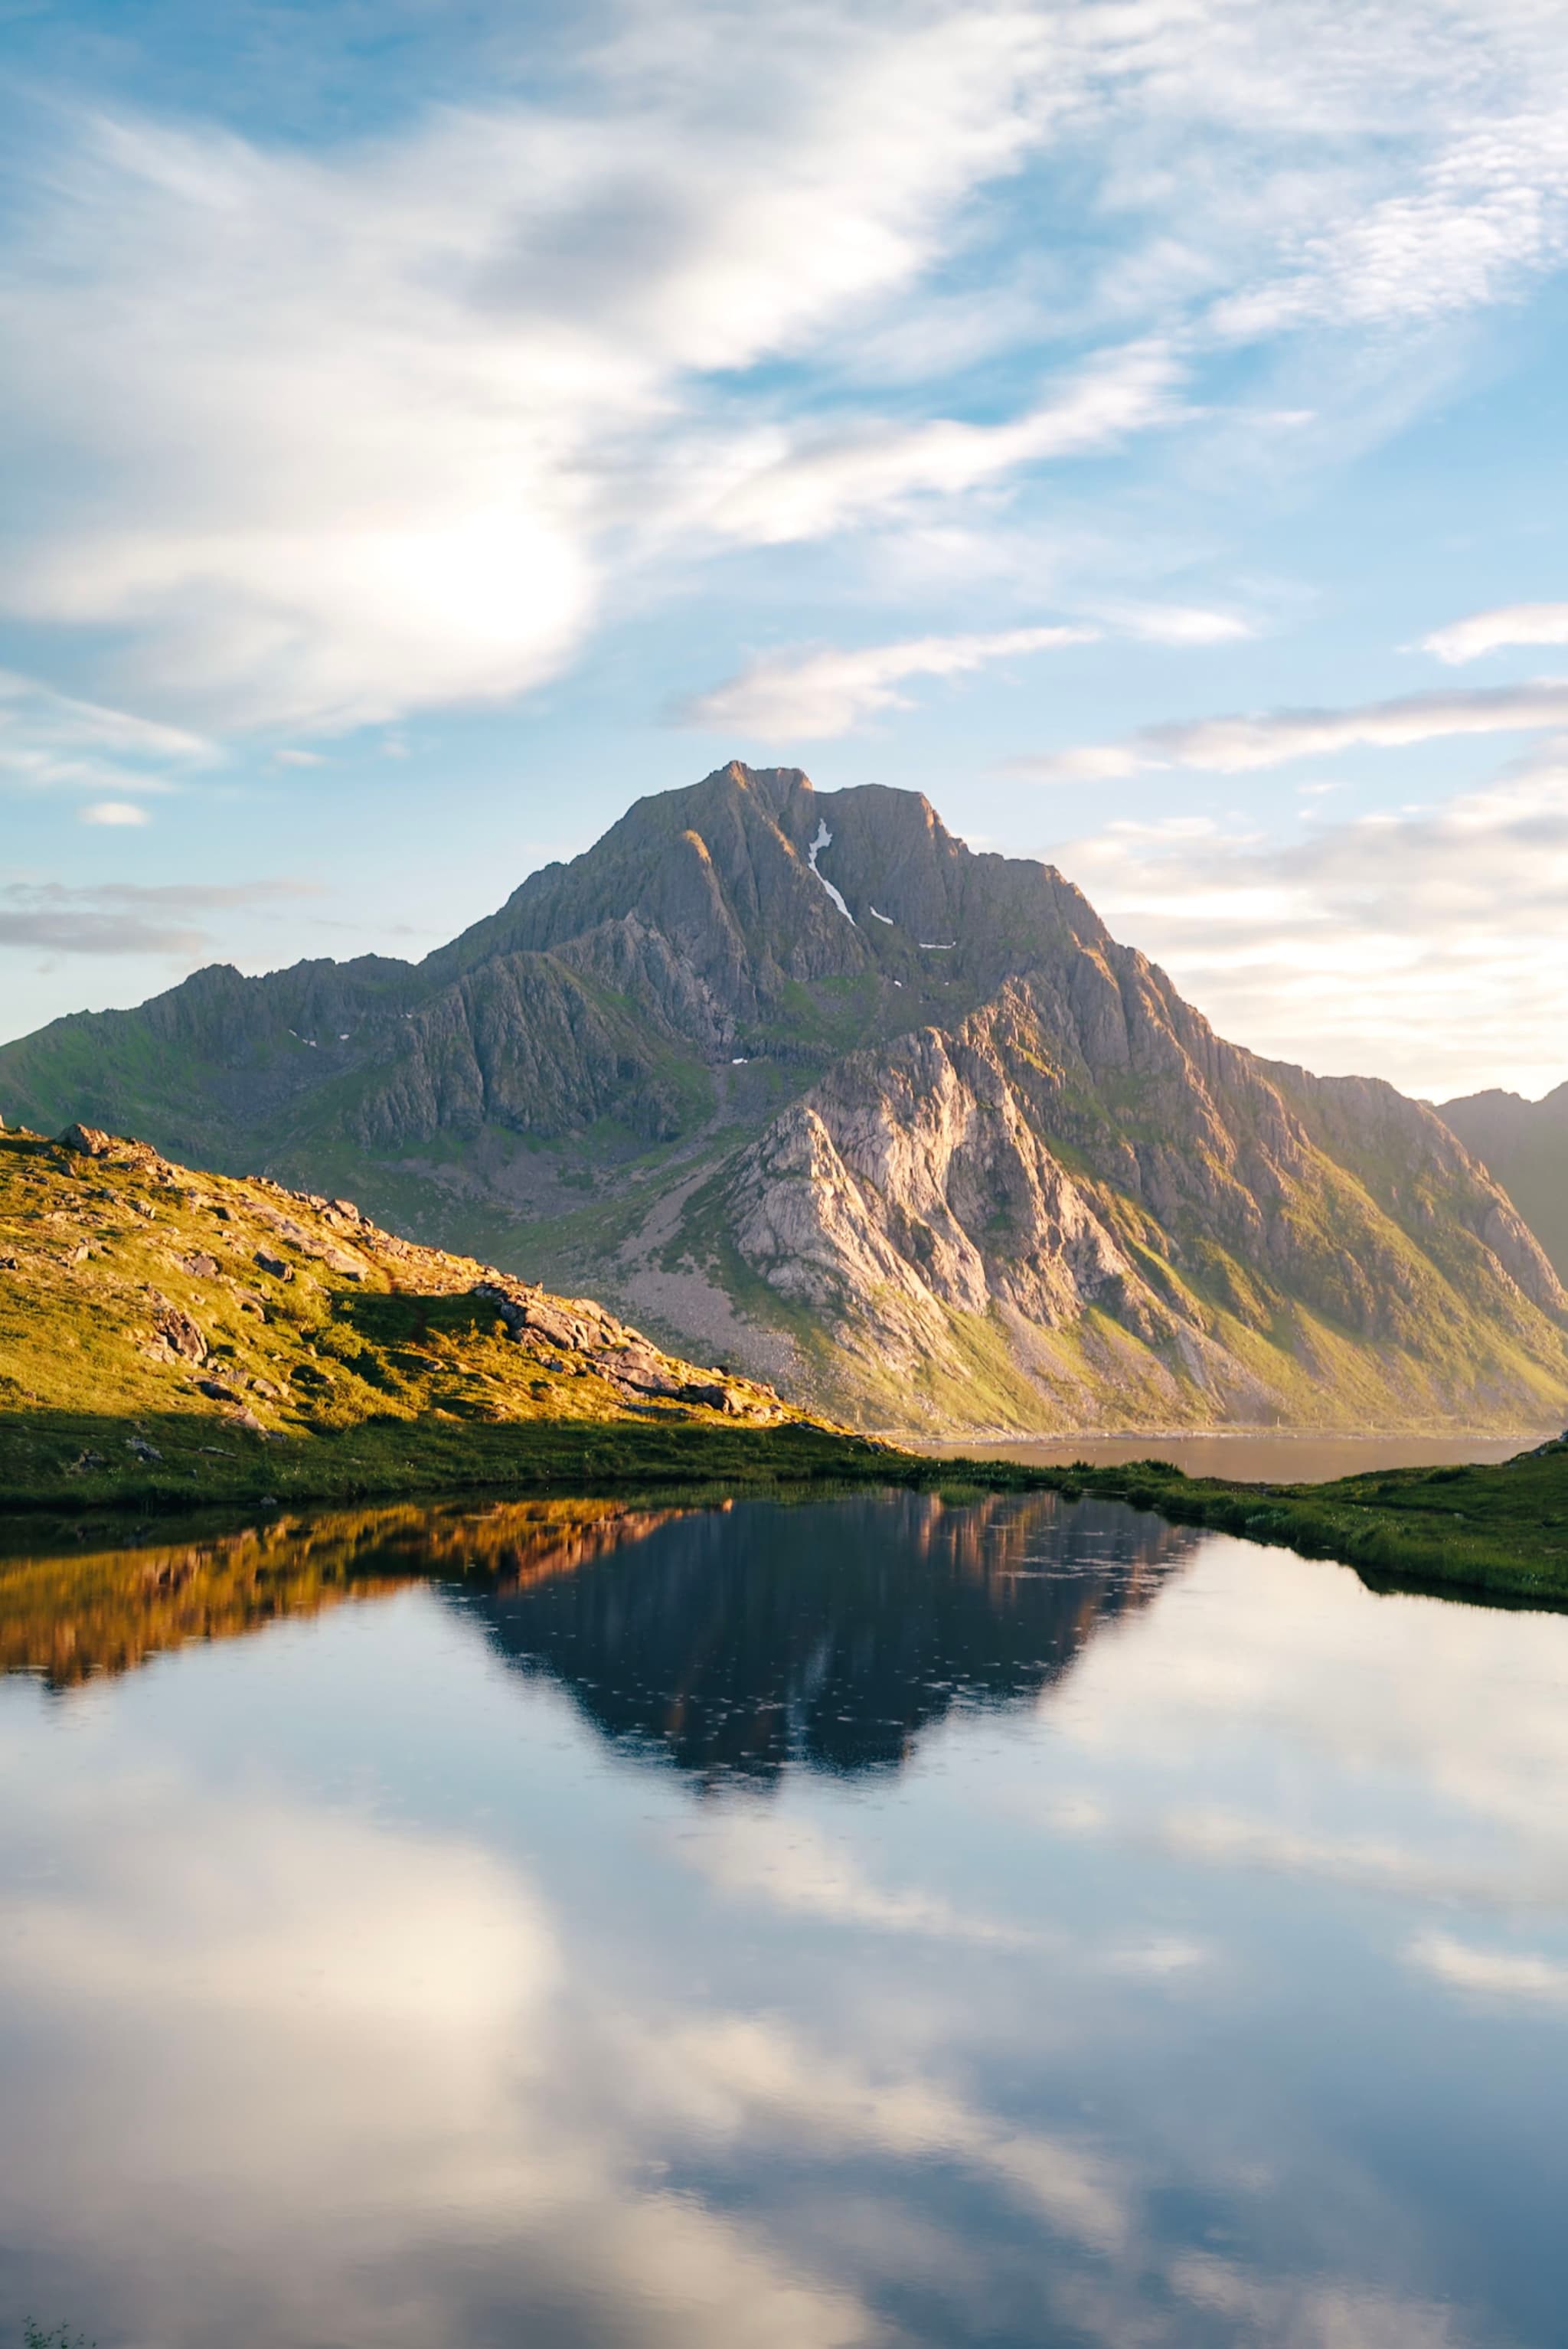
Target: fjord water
<point x="871" y="1922"/>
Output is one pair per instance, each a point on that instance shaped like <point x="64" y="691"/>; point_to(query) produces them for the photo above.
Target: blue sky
<point x="1140" y="427"/>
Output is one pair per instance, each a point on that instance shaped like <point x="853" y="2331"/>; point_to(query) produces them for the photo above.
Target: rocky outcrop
<point x="628" y="1362"/>
<point x="1091" y="1159"/>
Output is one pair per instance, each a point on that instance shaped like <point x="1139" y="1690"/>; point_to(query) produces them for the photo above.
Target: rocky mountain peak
<point x="801" y="1075"/>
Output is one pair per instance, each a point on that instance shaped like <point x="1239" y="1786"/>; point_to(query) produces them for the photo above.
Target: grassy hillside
<point x="1499" y="1528"/>
<point x="167" y="1336"/>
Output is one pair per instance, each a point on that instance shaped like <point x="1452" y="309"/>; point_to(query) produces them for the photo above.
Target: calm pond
<point x="870" y="1922"/>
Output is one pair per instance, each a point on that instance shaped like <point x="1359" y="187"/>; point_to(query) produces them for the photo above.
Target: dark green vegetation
<point x="1524" y="1144"/>
<point x="954" y="1159"/>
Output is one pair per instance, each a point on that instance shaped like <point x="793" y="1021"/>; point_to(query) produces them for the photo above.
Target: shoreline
<point x="1485" y="1529"/>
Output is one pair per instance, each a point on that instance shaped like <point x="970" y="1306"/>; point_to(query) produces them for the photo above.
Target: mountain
<point x="1524" y="1145"/>
<point x="800" y="1078"/>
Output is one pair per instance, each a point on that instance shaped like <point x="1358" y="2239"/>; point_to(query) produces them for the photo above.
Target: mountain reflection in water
<point x="875" y="1923"/>
<point x="731" y="1641"/>
<point x="735" y="1645"/>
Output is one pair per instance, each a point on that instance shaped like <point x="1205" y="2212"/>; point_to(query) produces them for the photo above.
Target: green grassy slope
<point x="167" y="1336"/>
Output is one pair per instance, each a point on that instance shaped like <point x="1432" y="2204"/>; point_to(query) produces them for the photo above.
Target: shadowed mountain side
<point x="1524" y="1144"/>
<point x="801" y="1082"/>
<point x="747" y="1642"/>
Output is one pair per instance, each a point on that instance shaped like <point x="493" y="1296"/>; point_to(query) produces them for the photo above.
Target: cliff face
<point x="1524" y="1145"/>
<point x="798" y="1075"/>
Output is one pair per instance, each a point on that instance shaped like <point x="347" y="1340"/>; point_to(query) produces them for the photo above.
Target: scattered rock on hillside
<point x="180" y="1334"/>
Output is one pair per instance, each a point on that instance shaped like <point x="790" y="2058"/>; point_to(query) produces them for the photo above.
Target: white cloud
<point x="317" y="437"/>
<point x="1312" y="2313"/>
<point x="1241" y="745"/>
<point x="1491" y="1973"/>
<point x="365" y="2002"/>
<point x="736" y="2074"/>
<point x="798" y="697"/>
<point x="807" y="492"/>
<point x="113" y="812"/>
<point x="123" y="918"/>
<point x="753" y="1853"/>
<point x="1182" y="624"/>
<point x="1488" y="213"/>
<point x="364" y="429"/>
<point x="51" y="741"/>
<point x="1489" y="632"/>
<point x="1428" y="946"/>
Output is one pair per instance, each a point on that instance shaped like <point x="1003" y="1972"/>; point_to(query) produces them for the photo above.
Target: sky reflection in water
<point x="871" y="1922"/>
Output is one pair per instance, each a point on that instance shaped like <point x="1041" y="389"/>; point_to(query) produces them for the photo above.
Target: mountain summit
<point x="800" y="1076"/>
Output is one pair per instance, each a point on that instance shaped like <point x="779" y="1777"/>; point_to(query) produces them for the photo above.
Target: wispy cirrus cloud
<point x="1273" y="737"/>
<point x="810" y="488"/>
<point x="53" y="741"/>
<point x="1495" y="631"/>
<point x="123" y="918"/>
<point x="801" y="696"/>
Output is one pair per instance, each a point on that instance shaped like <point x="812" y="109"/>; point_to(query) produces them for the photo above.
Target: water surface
<point x="870" y="1922"/>
<point x="1282" y="1459"/>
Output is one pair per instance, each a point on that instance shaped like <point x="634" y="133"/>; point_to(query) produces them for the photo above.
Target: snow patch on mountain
<point x="825" y="839"/>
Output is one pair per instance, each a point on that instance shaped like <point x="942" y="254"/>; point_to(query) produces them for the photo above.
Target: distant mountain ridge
<point x="800" y="1076"/>
<point x="1524" y="1144"/>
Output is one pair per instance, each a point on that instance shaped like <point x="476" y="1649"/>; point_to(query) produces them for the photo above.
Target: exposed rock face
<point x="845" y="1094"/>
<point x="923" y="1184"/>
<point x="1524" y="1144"/>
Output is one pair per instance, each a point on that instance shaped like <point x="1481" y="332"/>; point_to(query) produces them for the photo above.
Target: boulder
<point x="275" y="1265"/>
<point x="715" y="1397"/>
<point x="180" y="1334"/>
<point x="87" y="1142"/>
